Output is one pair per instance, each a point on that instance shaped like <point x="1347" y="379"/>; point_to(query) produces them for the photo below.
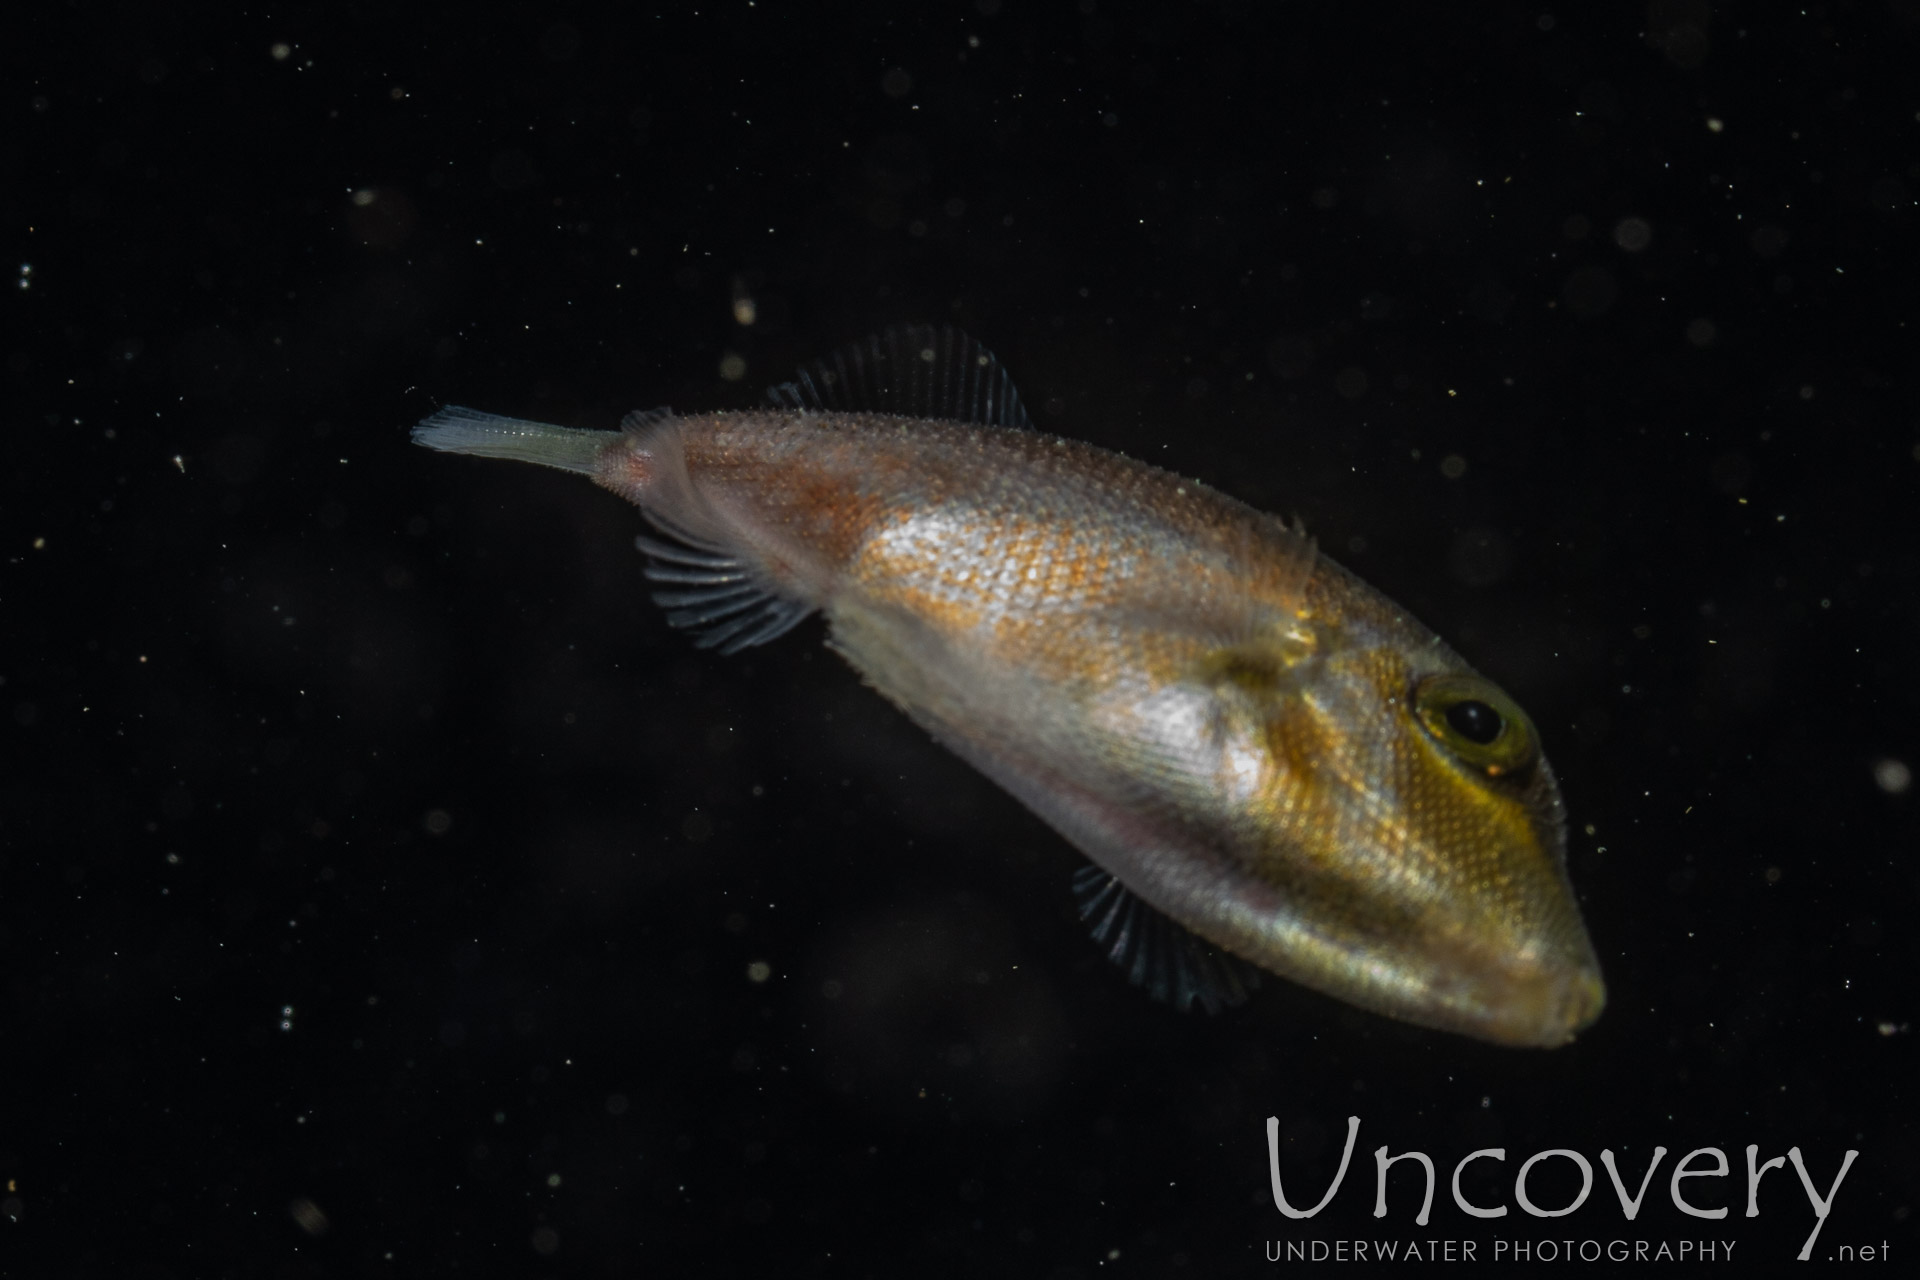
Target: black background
<point x="382" y="875"/>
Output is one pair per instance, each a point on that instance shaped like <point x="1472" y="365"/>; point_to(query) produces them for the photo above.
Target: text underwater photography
<point x="1545" y="1249"/>
<point x="1145" y="639"/>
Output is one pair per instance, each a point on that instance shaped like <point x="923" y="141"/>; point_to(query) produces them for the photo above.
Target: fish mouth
<point x="1525" y="1002"/>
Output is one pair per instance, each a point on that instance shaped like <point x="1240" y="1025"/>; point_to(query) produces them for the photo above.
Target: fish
<point x="1272" y="768"/>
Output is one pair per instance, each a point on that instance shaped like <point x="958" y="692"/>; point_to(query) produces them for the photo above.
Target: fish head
<point x="1393" y="834"/>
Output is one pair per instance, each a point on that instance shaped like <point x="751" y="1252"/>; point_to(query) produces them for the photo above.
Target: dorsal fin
<point x="916" y="371"/>
<point x="640" y="419"/>
<point x="1172" y="963"/>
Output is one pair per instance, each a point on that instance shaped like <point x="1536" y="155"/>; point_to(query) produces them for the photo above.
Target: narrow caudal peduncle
<point x="456" y="429"/>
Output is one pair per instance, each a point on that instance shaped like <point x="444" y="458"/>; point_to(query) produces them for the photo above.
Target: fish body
<point x="1246" y="739"/>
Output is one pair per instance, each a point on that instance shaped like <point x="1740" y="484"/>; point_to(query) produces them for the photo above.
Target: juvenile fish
<point x="1272" y="767"/>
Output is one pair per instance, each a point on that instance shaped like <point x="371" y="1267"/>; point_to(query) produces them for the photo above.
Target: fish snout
<point x="1541" y="1001"/>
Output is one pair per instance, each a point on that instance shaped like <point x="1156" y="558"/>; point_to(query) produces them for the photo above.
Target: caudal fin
<point x="455" y="429"/>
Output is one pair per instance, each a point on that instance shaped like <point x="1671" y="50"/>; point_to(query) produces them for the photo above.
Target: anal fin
<point x="1170" y="962"/>
<point x="718" y="597"/>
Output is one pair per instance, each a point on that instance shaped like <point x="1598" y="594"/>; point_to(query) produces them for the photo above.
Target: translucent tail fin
<point x="488" y="435"/>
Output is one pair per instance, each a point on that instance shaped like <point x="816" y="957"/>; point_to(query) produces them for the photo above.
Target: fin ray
<point x="657" y="550"/>
<point x="748" y="591"/>
<point x="708" y="577"/>
<point x="916" y="371"/>
<point x="724" y="602"/>
<point x="730" y="623"/>
<point x="686" y="537"/>
<point x="1170" y="962"/>
<point x="781" y="617"/>
<point x="640" y="419"/>
<point x="713" y="611"/>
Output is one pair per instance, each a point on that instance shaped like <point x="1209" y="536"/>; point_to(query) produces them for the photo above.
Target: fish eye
<point x="1475" y="721"/>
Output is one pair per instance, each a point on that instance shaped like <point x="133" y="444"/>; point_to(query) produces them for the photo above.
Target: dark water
<point x="385" y="882"/>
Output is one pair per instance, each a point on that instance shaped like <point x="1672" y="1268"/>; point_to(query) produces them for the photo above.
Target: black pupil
<point x="1475" y="721"/>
